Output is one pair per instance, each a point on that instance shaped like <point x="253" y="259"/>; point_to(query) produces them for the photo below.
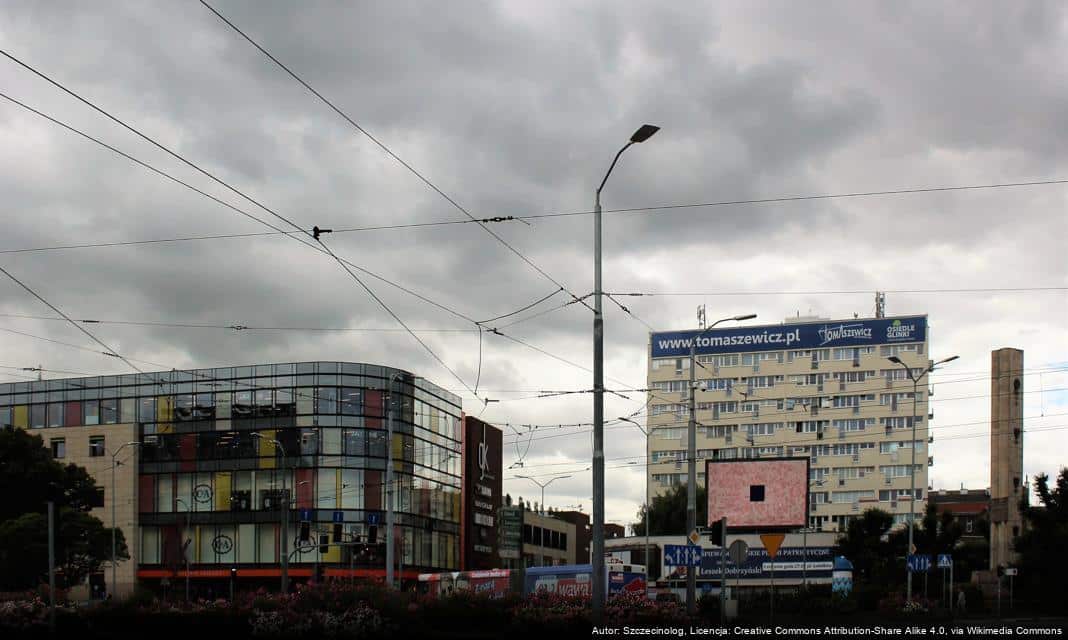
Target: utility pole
<point x="284" y="515"/>
<point x="114" y="558"/>
<point x="691" y="457"/>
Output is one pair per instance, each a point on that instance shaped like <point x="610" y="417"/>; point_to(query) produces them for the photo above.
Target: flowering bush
<point x="21" y="616"/>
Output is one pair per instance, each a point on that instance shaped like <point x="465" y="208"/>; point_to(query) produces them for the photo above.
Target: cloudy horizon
<point x="516" y="109"/>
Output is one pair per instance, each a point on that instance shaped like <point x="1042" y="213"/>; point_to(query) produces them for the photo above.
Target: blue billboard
<point x="788" y="564"/>
<point x="809" y="335"/>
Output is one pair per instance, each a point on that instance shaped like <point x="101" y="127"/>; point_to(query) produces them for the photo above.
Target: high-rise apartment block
<point x="811" y="387"/>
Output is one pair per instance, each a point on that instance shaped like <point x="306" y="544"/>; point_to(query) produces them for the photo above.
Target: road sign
<point x="919" y="562"/>
<point x="694" y="537"/>
<point x="945" y="561"/>
<point x="738" y="552"/>
<point x="682" y="555"/>
<point x="339" y="516"/>
<point x="373" y="518"/>
<point x="1010" y="571"/>
<point x="305" y="515"/>
<point x="772" y="542"/>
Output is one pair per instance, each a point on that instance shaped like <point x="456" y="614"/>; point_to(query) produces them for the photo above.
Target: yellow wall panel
<point x="164" y="408"/>
<point x="22" y="417"/>
<point x="222" y="491"/>
<point x="267" y="449"/>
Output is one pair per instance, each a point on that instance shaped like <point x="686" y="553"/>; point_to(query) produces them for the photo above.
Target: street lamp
<point x="285" y="512"/>
<point x="551" y="480"/>
<point x="114" y="463"/>
<point x="389" y="478"/>
<point x="641" y="135"/>
<point x="912" y="467"/>
<point x="647" y="498"/>
<point x="185" y="551"/>
<point x="691" y="457"/>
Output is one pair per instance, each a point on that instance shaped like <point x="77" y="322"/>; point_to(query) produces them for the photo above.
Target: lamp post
<point x="691" y="457"/>
<point x="389" y="479"/>
<point x="641" y="135"/>
<point x="285" y="513"/>
<point x="551" y="480"/>
<point x="912" y="467"/>
<point x="647" y="498"/>
<point x="114" y="463"/>
<point x="188" y="527"/>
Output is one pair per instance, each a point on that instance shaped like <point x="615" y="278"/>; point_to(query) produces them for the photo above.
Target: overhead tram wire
<point x="107" y="349"/>
<point x="388" y="151"/>
<point x="295" y="226"/>
<point x="322" y="248"/>
<point x="836" y="292"/>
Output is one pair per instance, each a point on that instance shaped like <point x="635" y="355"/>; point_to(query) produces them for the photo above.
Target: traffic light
<point x="305" y="531"/>
<point x="324" y="543"/>
<point x="372" y="534"/>
<point x="715" y="532"/>
<point x="337" y="532"/>
<point x="1001" y="570"/>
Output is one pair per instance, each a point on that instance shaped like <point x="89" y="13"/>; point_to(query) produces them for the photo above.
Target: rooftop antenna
<point x="880" y="304"/>
<point x="701" y="317"/>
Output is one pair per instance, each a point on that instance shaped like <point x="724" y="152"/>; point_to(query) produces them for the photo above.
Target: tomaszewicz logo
<point x="844" y="331"/>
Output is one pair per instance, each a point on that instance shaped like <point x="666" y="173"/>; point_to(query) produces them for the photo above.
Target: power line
<point x="844" y="292"/>
<point x="386" y="149"/>
<point x="107" y="350"/>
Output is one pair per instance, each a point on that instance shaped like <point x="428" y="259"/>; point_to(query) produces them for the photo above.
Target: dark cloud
<point x="517" y="109"/>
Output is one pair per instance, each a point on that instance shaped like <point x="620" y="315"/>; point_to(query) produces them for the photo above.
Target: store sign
<point x="511" y="539"/>
<point x="481" y="493"/>
<point x="758" y="566"/>
<point x="809" y="335"/>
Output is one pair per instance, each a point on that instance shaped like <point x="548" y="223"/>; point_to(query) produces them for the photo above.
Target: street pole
<point x="389" y="485"/>
<point x="598" y="578"/>
<point x="114" y="554"/>
<point x="284" y="515"/>
<point x="51" y="566"/>
<point x="912" y="469"/>
<point x="691" y="457"/>
<point x="691" y="478"/>
<point x="185" y="551"/>
<point x="723" y="575"/>
<point x="804" y="556"/>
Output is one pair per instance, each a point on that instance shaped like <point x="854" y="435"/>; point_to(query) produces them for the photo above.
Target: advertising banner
<point x="757" y="565"/>
<point x="809" y="335"/>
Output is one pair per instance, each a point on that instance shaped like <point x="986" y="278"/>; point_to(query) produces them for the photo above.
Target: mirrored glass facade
<point x="223" y="448"/>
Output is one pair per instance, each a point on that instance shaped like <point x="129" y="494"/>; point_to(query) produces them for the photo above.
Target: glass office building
<point x="223" y="449"/>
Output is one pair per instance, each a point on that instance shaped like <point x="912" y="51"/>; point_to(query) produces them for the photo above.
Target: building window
<point x="96" y="446"/>
<point x="59" y="448"/>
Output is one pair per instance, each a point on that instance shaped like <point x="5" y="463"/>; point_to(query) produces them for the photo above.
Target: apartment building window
<point x="59" y="448"/>
<point x="672" y="433"/>
<point x="763" y="428"/>
<point x="897" y="349"/>
<point x="897" y="470"/>
<point x="720" y="431"/>
<point x="853" y="376"/>
<point x="853" y="473"/>
<point x="855" y="424"/>
<point x="726" y="454"/>
<point x="670" y="479"/>
<point x="811" y="426"/>
<point x="818" y="498"/>
<point x="96" y="446"/>
<point x="840" y="497"/>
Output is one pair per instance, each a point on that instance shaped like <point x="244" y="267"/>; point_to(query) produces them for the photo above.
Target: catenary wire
<point x="386" y="149"/>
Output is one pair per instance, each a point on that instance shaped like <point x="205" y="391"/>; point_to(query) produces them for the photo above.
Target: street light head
<point x="949" y="359"/>
<point x="644" y="132"/>
<point x="748" y="316"/>
<point x="895" y="360"/>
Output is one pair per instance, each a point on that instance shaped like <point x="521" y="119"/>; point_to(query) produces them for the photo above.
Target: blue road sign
<point x="305" y="515"/>
<point x="339" y="516"/>
<point x="945" y="561"/>
<point x="374" y="517"/>
<point x="682" y="555"/>
<point x="919" y="563"/>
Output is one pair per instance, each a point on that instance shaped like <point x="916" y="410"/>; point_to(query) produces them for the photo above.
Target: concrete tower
<point x="1007" y="483"/>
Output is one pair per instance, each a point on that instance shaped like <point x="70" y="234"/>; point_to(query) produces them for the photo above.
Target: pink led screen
<point x="758" y="493"/>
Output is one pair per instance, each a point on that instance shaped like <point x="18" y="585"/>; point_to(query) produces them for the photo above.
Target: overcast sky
<point x="517" y="108"/>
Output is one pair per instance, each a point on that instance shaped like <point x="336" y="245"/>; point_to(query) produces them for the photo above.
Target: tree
<point x="865" y="544"/>
<point x="83" y="545"/>
<point x="667" y="513"/>
<point x="32" y="478"/>
<point x="1042" y="560"/>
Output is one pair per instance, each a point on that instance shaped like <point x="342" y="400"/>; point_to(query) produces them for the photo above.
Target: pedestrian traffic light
<point x="305" y="531"/>
<point x="337" y="532"/>
<point x="324" y="543"/>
